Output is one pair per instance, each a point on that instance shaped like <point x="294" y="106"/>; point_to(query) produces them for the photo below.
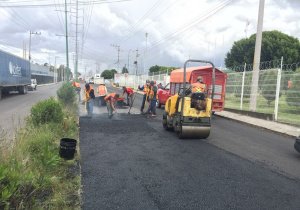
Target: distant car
<point x="33" y="85"/>
<point x="91" y="81"/>
<point x="297" y="144"/>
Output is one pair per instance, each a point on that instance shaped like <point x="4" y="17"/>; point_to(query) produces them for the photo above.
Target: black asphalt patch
<point x="130" y="162"/>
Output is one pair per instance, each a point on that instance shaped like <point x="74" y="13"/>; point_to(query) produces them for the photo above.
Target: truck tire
<point x="23" y="90"/>
<point x="158" y="104"/>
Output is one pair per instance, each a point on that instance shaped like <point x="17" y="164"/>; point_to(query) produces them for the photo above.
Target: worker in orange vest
<point x="102" y="91"/>
<point x="110" y="100"/>
<point x="199" y="86"/>
<point x="145" y="89"/>
<point x="152" y="98"/>
<point x="89" y="99"/>
<point x="129" y="93"/>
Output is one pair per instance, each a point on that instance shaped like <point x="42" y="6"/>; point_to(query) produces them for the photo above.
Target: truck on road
<point x="14" y="74"/>
<point x="98" y="79"/>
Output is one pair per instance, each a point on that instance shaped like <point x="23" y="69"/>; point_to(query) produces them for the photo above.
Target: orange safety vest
<point x="87" y="94"/>
<point x="198" y="87"/>
<point x="146" y="89"/>
<point x="151" y="93"/>
<point x="102" y="90"/>
<point x="108" y="97"/>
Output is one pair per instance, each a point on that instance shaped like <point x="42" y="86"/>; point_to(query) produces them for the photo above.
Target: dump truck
<point x="15" y="74"/>
<point x="176" y="82"/>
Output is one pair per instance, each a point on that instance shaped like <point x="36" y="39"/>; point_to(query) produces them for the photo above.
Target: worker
<point x="199" y="86"/>
<point x="130" y="94"/>
<point x="89" y="99"/>
<point x="110" y="103"/>
<point x="152" y="99"/>
<point x="102" y="91"/>
<point x="145" y="89"/>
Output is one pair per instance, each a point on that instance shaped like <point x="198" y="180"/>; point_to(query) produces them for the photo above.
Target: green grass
<point x="286" y="113"/>
<point x="32" y="175"/>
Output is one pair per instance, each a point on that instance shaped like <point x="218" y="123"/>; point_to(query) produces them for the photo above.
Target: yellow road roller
<point x="189" y="113"/>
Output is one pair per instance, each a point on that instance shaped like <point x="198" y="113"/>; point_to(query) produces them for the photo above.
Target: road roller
<point x="189" y="114"/>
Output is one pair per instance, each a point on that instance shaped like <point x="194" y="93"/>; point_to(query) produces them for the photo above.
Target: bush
<point x="46" y="111"/>
<point x="66" y="94"/>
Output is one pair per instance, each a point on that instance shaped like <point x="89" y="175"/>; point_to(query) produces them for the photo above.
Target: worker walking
<point x="102" y="91"/>
<point x="145" y="89"/>
<point x="110" y="103"/>
<point x="152" y="99"/>
<point x="130" y="94"/>
<point x="89" y="99"/>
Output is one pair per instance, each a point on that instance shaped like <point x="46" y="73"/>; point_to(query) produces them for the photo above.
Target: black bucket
<point x="67" y="148"/>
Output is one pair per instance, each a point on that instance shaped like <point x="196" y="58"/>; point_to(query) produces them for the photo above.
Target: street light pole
<point x="29" y="53"/>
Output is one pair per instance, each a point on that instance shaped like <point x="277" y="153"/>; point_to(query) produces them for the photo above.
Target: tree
<point x="108" y="74"/>
<point x="157" y="68"/>
<point x="124" y="70"/>
<point x="275" y="44"/>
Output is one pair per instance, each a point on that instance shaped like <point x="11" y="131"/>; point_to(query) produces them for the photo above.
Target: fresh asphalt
<point x="131" y="162"/>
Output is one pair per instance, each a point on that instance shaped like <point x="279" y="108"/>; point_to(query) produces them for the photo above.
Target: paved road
<point x="14" y="107"/>
<point x="130" y="162"/>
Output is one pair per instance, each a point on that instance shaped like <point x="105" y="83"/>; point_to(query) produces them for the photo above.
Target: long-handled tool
<point x="131" y="103"/>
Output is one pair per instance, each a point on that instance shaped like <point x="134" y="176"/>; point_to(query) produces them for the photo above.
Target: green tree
<point x="275" y="44"/>
<point x="108" y="74"/>
<point x="124" y="70"/>
<point x="155" y="68"/>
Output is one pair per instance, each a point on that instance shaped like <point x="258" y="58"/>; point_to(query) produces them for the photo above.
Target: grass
<point x="286" y="113"/>
<point x="32" y="175"/>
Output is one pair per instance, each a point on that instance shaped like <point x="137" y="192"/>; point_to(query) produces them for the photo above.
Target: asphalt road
<point x="15" y="107"/>
<point x="131" y="162"/>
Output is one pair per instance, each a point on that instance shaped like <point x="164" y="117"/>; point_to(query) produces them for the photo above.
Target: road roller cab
<point x="187" y="113"/>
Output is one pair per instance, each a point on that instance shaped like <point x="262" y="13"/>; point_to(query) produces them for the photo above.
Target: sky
<point x="176" y="30"/>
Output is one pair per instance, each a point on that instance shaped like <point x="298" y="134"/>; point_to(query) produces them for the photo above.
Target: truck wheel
<point x="0" y="93"/>
<point x="23" y="90"/>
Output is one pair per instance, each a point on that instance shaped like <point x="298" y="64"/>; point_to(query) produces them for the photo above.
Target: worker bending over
<point x="129" y="93"/>
<point x="145" y="88"/>
<point x="110" y="103"/>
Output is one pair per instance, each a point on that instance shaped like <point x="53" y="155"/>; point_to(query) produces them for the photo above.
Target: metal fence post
<point x="278" y="90"/>
<point x="242" y="90"/>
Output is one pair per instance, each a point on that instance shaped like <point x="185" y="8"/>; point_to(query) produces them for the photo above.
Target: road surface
<point x="15" y="107"/>
<point x="131" y="162"/>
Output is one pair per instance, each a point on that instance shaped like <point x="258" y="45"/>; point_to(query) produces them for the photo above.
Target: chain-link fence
<point x="278" y="90"/>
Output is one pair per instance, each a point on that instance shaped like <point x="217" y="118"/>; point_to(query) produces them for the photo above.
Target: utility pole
<point x="67" y="44"/>
<point x="118" y="49"/>
<point x="128" y="60"/>
<point x="256" y="60"/>
<point x="136" y="62"/>
<point x="29" y="50"/>
<point x="76" y="42"/>
<point x="145" y="55"/>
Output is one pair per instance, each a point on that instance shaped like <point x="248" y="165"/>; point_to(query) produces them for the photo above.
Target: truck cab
<point x="163" y="95"/>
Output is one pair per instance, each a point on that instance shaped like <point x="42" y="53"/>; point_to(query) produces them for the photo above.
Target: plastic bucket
<point x="67" y="148"/>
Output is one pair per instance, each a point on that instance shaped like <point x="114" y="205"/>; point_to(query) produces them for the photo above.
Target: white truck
<point x="98" y="79"/>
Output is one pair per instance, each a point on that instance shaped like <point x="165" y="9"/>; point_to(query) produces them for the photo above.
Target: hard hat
<point x="199" y="78"/>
